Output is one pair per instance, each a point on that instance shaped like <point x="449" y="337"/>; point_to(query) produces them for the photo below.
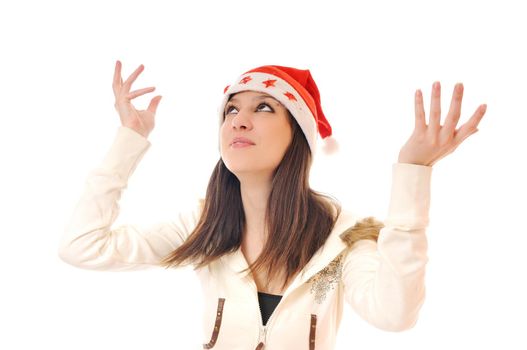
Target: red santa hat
<point x="297" y="91"/>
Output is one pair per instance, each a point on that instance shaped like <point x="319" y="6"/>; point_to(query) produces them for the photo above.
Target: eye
<point x="265" y="104"/>
<point x="228" y="109"/>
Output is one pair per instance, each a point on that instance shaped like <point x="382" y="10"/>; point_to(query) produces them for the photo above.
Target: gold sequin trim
<point x="325" y="279"/>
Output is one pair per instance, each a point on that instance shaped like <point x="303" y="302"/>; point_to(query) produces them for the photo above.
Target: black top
<point x="268" y="303"/>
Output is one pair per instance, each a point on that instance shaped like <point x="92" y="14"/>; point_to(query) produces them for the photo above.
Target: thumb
<point x="152" y="107"/>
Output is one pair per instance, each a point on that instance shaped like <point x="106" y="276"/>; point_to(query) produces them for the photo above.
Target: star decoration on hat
<point x="224" y="90"/>
<point x="290" y="96"/>
<point x="245" y="80"/>
<point x="269" y="82"/>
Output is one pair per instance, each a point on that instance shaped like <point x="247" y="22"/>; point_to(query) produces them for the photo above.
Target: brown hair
<point x="298" y="219"/>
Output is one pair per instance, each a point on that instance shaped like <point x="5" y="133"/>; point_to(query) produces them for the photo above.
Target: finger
<point x="152" y="107"/>
<point x="476" y="117"/>
<point x="462" y="138"/>
<point x="435" y="106"/>
<point x="455" y="107"/>
<point x="140" y="92"/>
<point x="128" y="83"/>
<point x="420" y="121"/>
<point x="479" y="113"/>
<point x="117" y="80"/>
<point x="471" y="126"/>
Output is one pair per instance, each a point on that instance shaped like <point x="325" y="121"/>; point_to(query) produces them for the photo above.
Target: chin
<point x="242" y="166"/>
<point x="238" y="169"/>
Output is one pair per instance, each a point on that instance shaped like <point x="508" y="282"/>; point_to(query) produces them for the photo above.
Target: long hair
<point x="298" y="219"/>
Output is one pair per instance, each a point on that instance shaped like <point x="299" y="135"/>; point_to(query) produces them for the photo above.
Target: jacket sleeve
<point x="89" y="240"/>
<point x="384" y="281"/>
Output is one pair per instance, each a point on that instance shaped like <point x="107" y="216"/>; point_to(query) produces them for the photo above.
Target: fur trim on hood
<point x="366" y="228"/>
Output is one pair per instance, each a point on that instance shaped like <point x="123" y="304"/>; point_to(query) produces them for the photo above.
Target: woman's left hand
<point x="429" y="143"/>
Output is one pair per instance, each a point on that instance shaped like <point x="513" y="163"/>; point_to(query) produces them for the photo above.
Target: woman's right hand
<point x="141" y="121"/>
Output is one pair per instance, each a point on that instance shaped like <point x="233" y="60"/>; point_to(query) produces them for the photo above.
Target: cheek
<point x="222" y="141"/>
<point x="222" y="133"/>
<point x="286" y="135"/>
<point x="279" y="140"/>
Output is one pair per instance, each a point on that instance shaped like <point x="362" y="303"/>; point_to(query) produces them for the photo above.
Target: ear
<point x="366" y="228"/>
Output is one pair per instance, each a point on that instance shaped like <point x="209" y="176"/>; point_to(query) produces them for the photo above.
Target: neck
<point x="255" y="192"/>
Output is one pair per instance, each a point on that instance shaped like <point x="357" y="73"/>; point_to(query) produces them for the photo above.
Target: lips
<point x="241" y="140"/>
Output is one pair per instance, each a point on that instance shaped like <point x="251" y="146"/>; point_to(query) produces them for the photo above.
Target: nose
<point x="241" y="120"/>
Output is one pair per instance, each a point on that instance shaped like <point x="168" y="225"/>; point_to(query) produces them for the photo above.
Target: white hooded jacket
<point x="383" y="281"/>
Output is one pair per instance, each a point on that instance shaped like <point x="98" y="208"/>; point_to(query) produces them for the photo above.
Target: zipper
<point x="263" y="329"/>
<point x="262" y="336"/>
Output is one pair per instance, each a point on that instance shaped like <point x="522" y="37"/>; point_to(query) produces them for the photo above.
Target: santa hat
<point x="297" y="91"/>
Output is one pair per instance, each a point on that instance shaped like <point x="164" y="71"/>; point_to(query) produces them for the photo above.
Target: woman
<point x="276" y="260"/>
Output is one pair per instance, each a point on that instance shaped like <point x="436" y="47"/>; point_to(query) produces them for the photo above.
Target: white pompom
<point x="330" y="146"/>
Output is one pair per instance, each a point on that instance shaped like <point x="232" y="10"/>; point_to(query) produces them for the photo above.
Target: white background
<point x="367" y="58"/>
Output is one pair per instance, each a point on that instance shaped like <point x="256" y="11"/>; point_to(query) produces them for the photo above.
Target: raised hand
<point x="142" y="121"/>
<point x="429" y="143"/>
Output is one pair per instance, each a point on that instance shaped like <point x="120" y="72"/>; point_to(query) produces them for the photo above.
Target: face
<point x="264" y="122"/>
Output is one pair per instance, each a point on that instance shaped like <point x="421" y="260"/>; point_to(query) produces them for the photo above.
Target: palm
<point x="143" y="119"/>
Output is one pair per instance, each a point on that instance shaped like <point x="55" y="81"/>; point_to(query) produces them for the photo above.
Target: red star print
<point x="245" y="80"/>
<point x="226" y="88"/>
<point x="269" y="82"/>
<point x="290" y="96"/>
